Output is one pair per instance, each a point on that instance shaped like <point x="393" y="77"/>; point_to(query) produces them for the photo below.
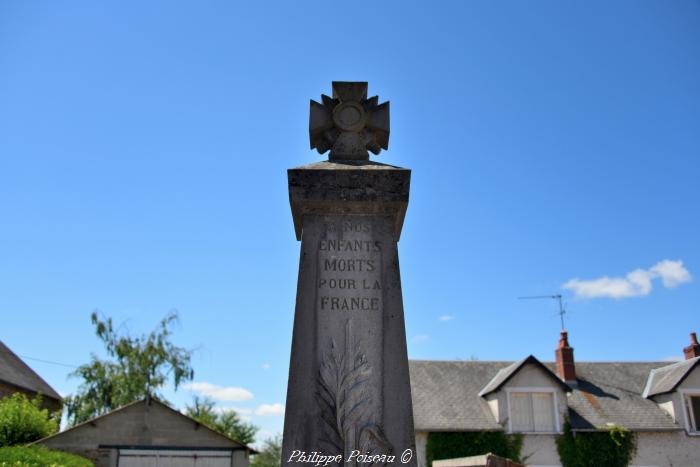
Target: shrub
<point x="23" y="421"/>
<point x="613" y="447"/>
<point x="449" y="445"/>
<point x="37" y="456"/>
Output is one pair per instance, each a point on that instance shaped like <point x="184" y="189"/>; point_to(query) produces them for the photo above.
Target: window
<point x="532" y="412"/>
<point x="693" y="406"/>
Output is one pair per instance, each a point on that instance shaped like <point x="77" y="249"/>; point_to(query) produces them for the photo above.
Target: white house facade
<point x="658" y="401"/>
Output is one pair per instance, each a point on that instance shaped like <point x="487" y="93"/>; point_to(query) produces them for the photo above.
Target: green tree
<point x="227" y="421"/>
<point x="23" y="420"/>
<point x="136" y="367"/>
<point x="270" y="455"/>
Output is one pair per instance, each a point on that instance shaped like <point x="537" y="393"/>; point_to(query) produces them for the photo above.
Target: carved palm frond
<point x="345" y="403"/>
<point x="373" y="441"/>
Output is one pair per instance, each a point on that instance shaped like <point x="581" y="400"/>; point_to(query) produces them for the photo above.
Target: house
<point x="148" y="433"/>
<point x="658" y="401"/>
<point x="16" y="376"/>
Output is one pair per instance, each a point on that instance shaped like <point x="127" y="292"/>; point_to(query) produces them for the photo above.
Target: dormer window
<point x="526" y="407"/>
<point x="532" y="411"/>
<point x="692" y="404"/>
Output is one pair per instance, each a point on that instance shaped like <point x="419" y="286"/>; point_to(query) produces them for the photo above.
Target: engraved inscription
<point x="349" y="268"/>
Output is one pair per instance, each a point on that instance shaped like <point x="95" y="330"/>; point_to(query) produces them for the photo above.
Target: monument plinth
<point x="349" y="394"/>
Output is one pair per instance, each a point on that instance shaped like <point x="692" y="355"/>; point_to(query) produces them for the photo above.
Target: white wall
<point x="674" y="404"/>
<point x="540" y="450"/>
<point x="421" y="442"/>
<point x="675" y="449"/>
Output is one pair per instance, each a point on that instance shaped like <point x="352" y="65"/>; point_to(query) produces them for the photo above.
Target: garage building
<point x="148" y="433"/>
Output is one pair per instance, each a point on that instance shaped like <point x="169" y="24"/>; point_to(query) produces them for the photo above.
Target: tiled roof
<point x="17" y="373"/>
<point x="667" y="378"/>
<point x="611" y="392"/>
<point x="446" y="395"/>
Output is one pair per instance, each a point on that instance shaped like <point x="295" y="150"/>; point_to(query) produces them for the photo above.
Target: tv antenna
<point x="562" y="310"/>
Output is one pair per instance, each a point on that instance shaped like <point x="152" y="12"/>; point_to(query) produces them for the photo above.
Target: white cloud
<point x="270" y="410"/>
<point x="219" y="393"/>
<point x="637" y="283"/>
<point x="238" y="410"/>
<point x="420" y="338"/>
<point x="672" y="273"/>
<point x="247" y="413"/>
<point x="446" y="318"/>
<point x="244" y="414"/>
<point x="265" y="366"/>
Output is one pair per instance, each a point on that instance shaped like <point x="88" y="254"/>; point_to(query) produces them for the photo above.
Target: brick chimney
<point x="565" y="359"/>
<point x="693" y="350"/>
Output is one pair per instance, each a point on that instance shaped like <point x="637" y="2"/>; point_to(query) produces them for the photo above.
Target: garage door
<point x="173" y="458"/>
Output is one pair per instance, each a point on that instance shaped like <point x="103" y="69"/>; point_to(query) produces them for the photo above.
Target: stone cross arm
<point x="348" y="123"/>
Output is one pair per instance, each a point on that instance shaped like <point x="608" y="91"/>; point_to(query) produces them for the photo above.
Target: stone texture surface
<point x="348" y="123"/>
<point x="368" y="188"/>
<point x="349" y="385"/>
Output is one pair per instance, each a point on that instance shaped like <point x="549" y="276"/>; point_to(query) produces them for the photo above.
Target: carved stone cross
<point x="348" y="123"/>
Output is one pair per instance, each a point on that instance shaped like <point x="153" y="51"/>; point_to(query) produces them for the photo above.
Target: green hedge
<point x="448" y="445"/>
<point x="607" y="448"/>
<point x="36" y="456"/>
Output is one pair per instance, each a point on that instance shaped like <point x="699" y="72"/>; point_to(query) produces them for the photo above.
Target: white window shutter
<point x="521" y="411"/>
<point x="543" y="411"/>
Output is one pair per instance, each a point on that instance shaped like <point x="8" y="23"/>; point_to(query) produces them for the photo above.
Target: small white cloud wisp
<point x="420" y="339"/>
<point x="219" y="393"/>
<point x="446" y="318"/>
<point x="637" y="283"/>
<point x="270" y="410"/>
<point x="247" y="413"/>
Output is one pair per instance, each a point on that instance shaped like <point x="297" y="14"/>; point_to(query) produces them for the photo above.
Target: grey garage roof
<point x="446" y="396"/>
<point x="667" y="379"/>
<point x="144" y="423"/>
<point x="17" y="373"/>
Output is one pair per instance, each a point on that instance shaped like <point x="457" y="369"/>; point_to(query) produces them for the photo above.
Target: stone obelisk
<point x="349" y="393"/>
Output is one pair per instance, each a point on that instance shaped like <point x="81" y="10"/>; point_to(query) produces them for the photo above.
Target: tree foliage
<point x="226" y="421"/>
<point x="612" y="447"/>
<point x="449" y="445"/>
<point x="270" y="455"/>
<point x="23" y="420"/>
<point x="136" y="367"/>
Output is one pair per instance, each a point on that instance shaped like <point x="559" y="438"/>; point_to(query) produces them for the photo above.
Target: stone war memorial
<point x="349" y="394"/>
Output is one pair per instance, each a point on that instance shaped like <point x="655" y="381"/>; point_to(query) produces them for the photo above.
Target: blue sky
<point x="143" y="157"/>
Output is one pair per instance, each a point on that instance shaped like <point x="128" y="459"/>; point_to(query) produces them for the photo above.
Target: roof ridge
<point x="15" y="359"/>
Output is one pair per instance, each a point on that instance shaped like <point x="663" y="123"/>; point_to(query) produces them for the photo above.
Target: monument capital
<point x="348" y="124"/>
